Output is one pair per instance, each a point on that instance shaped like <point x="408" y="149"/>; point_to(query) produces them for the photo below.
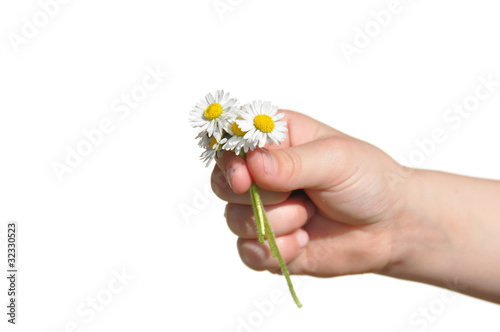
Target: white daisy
<point x="204" y="141"/>
<point x="211" y="113"/>
<point x="213" y="149"/>
<point x="261" y="122"/>
<point x="237" y="141"/>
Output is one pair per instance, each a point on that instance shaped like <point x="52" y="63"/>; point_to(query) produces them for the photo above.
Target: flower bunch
<point x="225" y="126"/>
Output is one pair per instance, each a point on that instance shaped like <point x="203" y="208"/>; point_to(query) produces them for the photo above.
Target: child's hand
<point x="341" y="206"/>
<point x="342" y="222"/>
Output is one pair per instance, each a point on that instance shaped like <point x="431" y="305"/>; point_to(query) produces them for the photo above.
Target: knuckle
<point x="218" y="189"/>
<point x="339" y="151"/>
<point x="218" y="178"/>
<point x="250" y="256"/>
<point x="240" y="221"/>
<point x="291" y="165"/>
<point x="339" y="144"/>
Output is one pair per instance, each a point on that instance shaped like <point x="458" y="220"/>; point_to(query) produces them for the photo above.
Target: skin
<point x="341" y="206"/>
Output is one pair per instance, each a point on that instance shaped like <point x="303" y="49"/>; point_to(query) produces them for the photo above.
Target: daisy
<point x="237" y="141"/>
<point x="211" y="113"/>
<point x="213" y="150"/>
<point x="204" y="141"/>
<point x="261" y="122"/>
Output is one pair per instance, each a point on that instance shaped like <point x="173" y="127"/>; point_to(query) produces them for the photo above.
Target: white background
<point x="120" y="208"/>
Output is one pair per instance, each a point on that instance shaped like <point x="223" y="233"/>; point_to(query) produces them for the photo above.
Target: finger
<point x="224" y="192"/>
<point x="285" y="217"/>
<point x="258" y="256"/>
<point x="336" y="249"/>
<point x="234" y="167"/>
<point x="301" y="129"/>
<point x="314" y="165"/>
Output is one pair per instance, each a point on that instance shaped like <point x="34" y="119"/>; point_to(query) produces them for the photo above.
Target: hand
<point x="327" y="196"/>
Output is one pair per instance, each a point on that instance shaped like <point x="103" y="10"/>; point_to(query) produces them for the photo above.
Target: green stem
<point x="264" y="228"/>
<point x="272" y="244"/>
<point x="258" y="211"/>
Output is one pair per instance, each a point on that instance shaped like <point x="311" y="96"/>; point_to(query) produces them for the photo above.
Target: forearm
<point x="449" y="235"/>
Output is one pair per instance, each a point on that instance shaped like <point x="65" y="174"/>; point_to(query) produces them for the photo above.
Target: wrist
<point x="422" y="245"/>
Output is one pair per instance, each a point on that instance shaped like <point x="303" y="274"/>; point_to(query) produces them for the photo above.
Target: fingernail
<point x="302" y="238"/>
<point x="269" y="167"/>
<point x="229" y="176"/>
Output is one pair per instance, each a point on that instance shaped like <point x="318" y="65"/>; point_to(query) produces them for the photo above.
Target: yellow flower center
<point x="213" y="111"/>
<point x="264" y="123"/>
<point x="236" y="130"/>
<point x="213" y="142"/>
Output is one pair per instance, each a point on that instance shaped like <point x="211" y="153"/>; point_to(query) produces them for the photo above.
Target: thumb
<point x="308" y="166"/>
